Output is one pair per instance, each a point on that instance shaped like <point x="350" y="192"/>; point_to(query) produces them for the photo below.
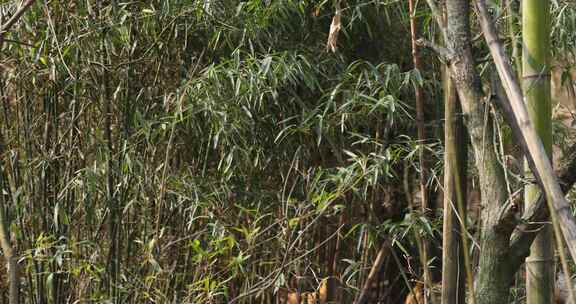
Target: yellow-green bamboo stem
<point x="536" y="87"/>
<point x="453" y="275"/>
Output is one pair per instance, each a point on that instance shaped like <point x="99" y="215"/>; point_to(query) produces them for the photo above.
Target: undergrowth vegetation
<point x="187" y="151"/>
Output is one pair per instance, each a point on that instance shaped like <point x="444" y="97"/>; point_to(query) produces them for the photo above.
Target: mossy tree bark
<point x="493" y="277"/>
<point x="494" y="273"/>
<point x="503" y="249"/>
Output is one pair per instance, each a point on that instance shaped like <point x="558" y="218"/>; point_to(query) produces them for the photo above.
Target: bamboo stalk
<point x="420" y="104"/>
<point x="11" y="263"/>
<point x="536" y="87"/>
<point x="7" y="250"/>
<point x="455" y="152"/>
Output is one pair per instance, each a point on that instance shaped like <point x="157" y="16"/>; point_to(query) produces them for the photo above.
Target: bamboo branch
<point x="530" y="223"/>
<point x="14" y="18"/>
<point x="443" y="52"/>
<point x="363" y="297"/>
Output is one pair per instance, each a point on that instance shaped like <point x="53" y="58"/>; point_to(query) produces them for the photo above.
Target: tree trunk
<point x="493" y="278"/>
<point x="536" y="87"/>
<point x="494" y="273"/>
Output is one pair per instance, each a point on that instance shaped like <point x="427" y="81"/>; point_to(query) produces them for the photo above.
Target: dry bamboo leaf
<point x="316" y="12"/>
<point x="335" y="27"/>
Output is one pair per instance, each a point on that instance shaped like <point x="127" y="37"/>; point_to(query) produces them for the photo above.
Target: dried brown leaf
<point x="335" y="27"/>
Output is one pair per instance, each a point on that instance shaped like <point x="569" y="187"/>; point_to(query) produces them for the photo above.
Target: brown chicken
<point x="329" y="291"/>
<point x="416" y="296"/>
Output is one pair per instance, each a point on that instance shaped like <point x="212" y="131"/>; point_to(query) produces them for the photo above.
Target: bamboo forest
<point x="288" y="151"/>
